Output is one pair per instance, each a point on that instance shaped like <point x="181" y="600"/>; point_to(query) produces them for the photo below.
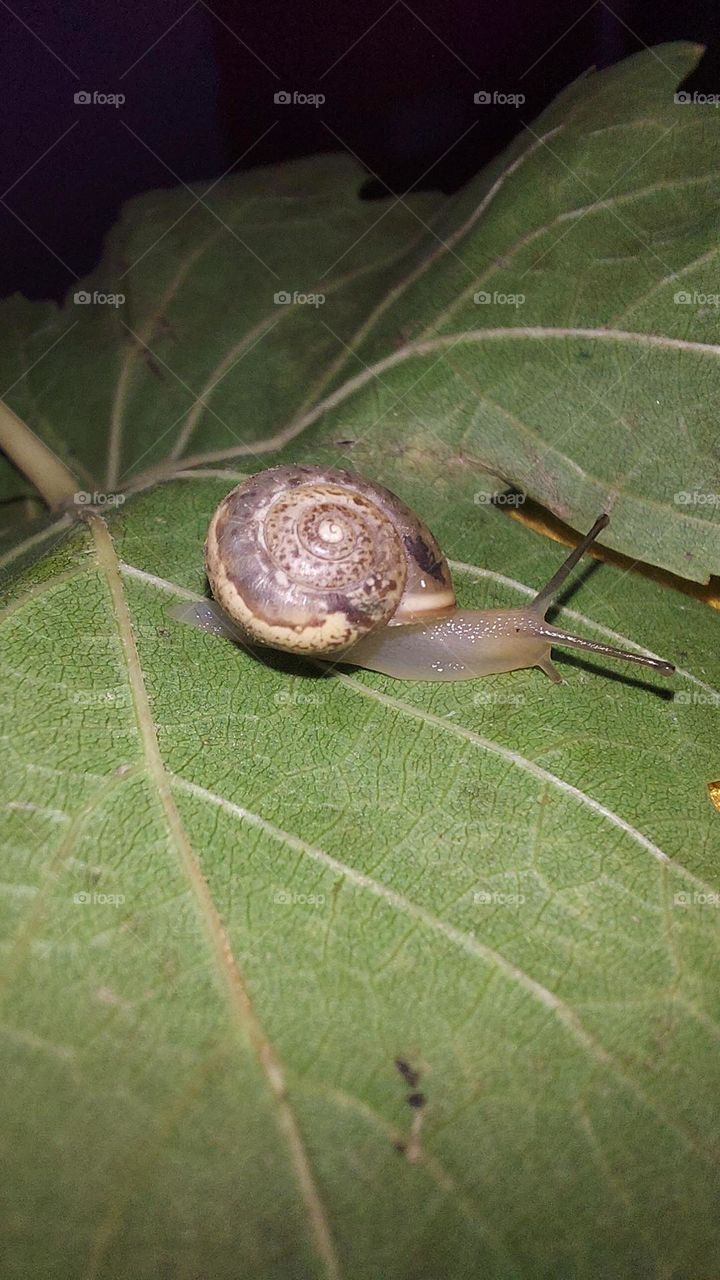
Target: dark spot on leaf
<point x="408" y="1073"/>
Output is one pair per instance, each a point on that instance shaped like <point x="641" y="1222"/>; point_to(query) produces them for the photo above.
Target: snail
<point x="319" y="562"/>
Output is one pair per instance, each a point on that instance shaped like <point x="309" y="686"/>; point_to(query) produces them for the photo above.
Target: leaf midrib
<point x="237" y="994"/>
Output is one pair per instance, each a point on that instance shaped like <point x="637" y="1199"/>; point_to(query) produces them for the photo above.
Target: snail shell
<point x="311" y="559"/>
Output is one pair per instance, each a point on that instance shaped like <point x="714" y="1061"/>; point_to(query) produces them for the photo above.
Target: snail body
<point x="465" y="645"/>
<point x="319" y="562"/>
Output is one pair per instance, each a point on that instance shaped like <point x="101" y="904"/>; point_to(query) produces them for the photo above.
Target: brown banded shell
<point x="310" y="559"/>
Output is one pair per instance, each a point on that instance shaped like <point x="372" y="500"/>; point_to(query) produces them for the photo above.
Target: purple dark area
<point x="199" y="82"/>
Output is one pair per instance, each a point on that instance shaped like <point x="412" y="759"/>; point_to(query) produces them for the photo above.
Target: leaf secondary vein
<point x="467" y="942"/>
<point x="430" y="346"/>
<point x="487" y="744"/>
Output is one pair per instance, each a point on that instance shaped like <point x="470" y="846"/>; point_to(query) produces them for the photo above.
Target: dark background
<point x="199" y="81"/>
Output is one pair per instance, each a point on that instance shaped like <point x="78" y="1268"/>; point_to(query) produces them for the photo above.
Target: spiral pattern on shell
<point x="310" y="559"/>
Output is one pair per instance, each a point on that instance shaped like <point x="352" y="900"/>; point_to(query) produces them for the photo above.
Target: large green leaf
<point x="600" y="387"/>
<point x="236" y="894"/>
<point x="116" y="387"/>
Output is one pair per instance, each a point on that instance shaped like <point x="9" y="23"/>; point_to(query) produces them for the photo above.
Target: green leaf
<point x="595" y="387"/>
<point x="117" y="387"/>
<point x="236" y="892"/>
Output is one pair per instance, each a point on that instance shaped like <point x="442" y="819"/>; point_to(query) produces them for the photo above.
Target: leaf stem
<point x="52" y="479"/>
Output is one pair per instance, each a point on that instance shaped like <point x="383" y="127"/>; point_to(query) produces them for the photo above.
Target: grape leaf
<point x="328" y="975"/>
<point x="236" y="894"/>
<point x="555" y="325"/>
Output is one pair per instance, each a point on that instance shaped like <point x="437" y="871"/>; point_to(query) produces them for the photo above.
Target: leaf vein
<point x="238" y="996"/>
<point x="467" y="942"/>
